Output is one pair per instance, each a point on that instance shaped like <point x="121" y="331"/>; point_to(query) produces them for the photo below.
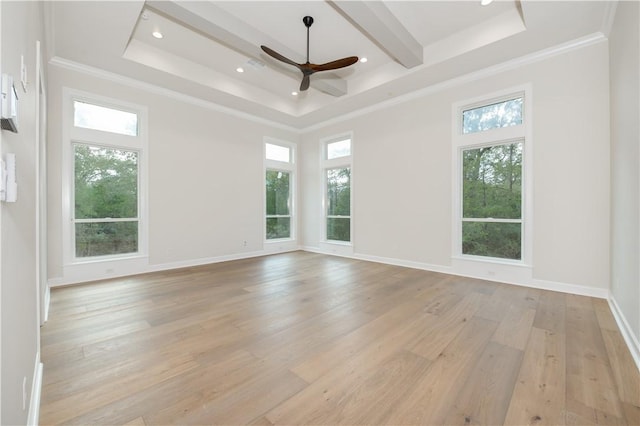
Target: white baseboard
<point x="630" y="339"/>
<point x="36" y="390"/>
<point x="63" y="281"/>
<point x="514" y="279"/>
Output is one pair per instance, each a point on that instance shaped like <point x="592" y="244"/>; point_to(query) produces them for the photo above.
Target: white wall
<point x="206" y="183"/>
<point x="625" y="163"/>
<point x="21" y="27"/>
<point x="402" y="173"/>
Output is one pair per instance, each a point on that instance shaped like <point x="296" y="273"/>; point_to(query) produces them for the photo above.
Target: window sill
<point x="105" y="259"/>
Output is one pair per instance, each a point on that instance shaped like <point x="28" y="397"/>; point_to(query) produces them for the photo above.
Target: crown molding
<point x="163" y="91"/>
<point x="531" y="58"/>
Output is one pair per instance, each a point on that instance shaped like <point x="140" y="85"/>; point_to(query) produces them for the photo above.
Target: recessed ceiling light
<point x="157" y="34"/>
<point x="294" y="93"/>
<point x="485" y="2"/>
<point x="240" y="69"/>
<point x="363" y="60"/>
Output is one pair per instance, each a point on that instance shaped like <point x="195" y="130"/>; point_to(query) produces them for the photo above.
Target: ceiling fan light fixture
<point x="363" y="59"/>
<point x="240" y="69"/>
<point x="294" y="93"/>
<point x="157" y="34"/>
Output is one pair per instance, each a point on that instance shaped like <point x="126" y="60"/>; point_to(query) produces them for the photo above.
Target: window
<point x="492" y="201"/>
<point x="337" y="195"/>
<point x="106" y="201"/>
<point x="338" y="182"/>
<point x="487" y="117"/>
<point x="105" y="156"/>
<point x="278" y="195"/>
<point x="96" y="117"/>
<point x="279" y="182"/>
<point x="492" y="144"/>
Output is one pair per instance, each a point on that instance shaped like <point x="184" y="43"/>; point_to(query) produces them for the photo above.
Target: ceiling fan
<point x="308" y="68"/>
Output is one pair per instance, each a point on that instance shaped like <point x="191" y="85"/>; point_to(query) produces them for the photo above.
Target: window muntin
<point x="278" y="207"/>
<point x="338" y="204"/>
<point x="492" y="201"/>
<point x="96" y="117"/>
<point x="277" y="153"/>
<point x="338" y="149"/>
<point x="496" y="115"/>
<point x="106" y="201"/>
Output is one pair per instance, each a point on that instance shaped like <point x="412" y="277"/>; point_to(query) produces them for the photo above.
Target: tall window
<point x="492" y="142"/>
<point x="106" y="158"/>
<point x="337" y="184"/>
<point x="279" y="170"/>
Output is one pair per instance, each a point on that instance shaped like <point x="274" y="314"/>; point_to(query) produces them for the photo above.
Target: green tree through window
<point x="106" y="201"/>
<point x="339" y="204"/>
<point x="492" y="201"/>
<point x="278" y="214"/>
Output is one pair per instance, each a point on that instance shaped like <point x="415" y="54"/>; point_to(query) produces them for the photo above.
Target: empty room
<point x="320" y="212"/>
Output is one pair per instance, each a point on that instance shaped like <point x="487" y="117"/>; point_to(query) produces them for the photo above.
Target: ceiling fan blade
<point x="305" y="83"/>
<point x="340" y="63"/>
<point x="278" y="56"/>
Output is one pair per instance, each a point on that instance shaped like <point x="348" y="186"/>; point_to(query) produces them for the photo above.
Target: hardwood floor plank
<point x="442" y="330"/>
<point x="539" y="393"/>
<point x="485" y="396"/>
<point x="515" y="327"/>
<point x="436" y="392"/>
<point x="590" y="380"/>
<point x="551" y="312"/>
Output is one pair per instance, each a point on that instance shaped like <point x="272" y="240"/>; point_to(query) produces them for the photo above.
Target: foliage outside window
<point x="338" y="184"/>
<point x="492" y="201"/>
<point x="278" y="214"/>
<point x="105" y="201"/>
<point x="500" y="114"/>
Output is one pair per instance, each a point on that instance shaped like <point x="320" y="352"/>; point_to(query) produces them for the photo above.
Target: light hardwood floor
<point x="305" y="338"/>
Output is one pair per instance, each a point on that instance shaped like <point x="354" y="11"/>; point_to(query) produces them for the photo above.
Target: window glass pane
<point x="492" y="239"/>
<point x="278" y="227"/>
<point x="106" y="182"/>
<point x="339" y="149"/>
<point x="339" y="229"/>
<point x="277" y="192"/>
<point x="501" y="114"/>
<point x="106" y="238"/>
<point x="96" y="117"/>
<point x="492" y="182"/>
<point x="278" y="153"/>
<point x="339" y="192"/>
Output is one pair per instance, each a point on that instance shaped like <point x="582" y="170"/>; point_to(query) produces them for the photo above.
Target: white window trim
<point x="94" y="267"/>
<point x="292" y="168"/>
<point x="492" y="137"/>
<point x="343" y="247"/>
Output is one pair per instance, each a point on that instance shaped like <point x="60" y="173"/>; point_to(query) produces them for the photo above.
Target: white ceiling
<point x="410" y="45"/>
